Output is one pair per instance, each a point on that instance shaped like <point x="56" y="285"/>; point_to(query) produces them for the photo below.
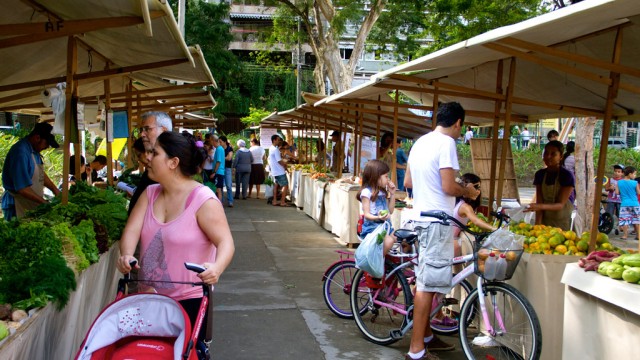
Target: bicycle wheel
<point x="336" y="287"/>
<point x="522" y="338"/>
<point x="380" y="318"/>
<point x="605" y="225"/>
<point x="450" y="308"/>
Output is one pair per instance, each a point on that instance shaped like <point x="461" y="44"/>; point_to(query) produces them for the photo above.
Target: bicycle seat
<point x="406" y="235"/>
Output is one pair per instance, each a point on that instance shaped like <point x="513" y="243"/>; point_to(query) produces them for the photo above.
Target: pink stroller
<point x="146" y="326"/>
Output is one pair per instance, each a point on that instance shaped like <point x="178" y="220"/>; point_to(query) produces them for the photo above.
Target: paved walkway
<point x="269" y="302"/>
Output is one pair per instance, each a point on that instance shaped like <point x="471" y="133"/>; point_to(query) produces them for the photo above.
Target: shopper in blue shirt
<point x="401" y="165"/>
<point x="628" y="189"/>
<point x="23" y="175"/>
<point x="218" y="166"/>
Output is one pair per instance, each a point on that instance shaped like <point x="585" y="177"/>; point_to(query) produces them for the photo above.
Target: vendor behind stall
<point x="23" y="175"/>
<point x="554" y="190"/>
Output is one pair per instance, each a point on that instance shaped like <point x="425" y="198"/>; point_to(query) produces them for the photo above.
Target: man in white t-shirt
<point x="431" y="172"/>
<point x="277" y="164"/>
<point x="526" y="136"/>
<point x="468" y="135"/>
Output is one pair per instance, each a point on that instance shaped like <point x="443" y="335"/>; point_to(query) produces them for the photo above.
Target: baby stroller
<point x="146" y="326"/>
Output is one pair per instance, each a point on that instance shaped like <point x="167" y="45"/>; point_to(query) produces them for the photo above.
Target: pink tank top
<point x="165" y="247"/>
<point x="456" y="215"/>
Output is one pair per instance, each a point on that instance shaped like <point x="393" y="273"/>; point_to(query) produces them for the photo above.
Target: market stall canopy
<point x="195" y="121"/>
<point x="379" y="107"/>
<point x="126" y="41"/>
<point x="564" y="63"/>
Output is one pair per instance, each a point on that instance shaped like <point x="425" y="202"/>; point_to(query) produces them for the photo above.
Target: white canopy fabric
<point x="370" y="110"/>
<point x="563" y="66"/>
<point x="33" y="46"/>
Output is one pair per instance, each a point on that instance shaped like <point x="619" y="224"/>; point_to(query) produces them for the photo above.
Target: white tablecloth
<point x="601" y="316"/>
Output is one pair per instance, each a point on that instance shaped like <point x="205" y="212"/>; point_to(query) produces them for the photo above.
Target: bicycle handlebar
<point x="445" y="219"/>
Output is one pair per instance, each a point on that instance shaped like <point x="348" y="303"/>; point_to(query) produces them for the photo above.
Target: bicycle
<point x="507" y="329"/>
<point x="337" y="282"/>
<point x="377" y="322"/>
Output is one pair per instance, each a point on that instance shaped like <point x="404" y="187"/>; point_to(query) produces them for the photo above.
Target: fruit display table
<point x="538" y="278"/>
<point x="601" y="316"/>
<point x="53" y="334"/>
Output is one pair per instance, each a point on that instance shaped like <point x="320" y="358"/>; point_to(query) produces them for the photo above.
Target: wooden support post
<point x="72" y="66"/>
<point x="394" y="174"/>
<point x="612" y="93"/>
<point x="340" y="151"/>
<point x="434" y="112"/>
<point x="507" y="121"/>
<point x="107" y="106"/>
<point x="131" y="139"/>
<point x="360" y="146"/>
<point x="326" y="143"/>
<point x="378" y="130"/>
<point x="495" y="141"/>
<point x="358" y="121"/>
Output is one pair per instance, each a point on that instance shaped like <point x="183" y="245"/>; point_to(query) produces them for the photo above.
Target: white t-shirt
<point x="257" y="152"/>
<point x="432" y="152"/>
<point x="274" y="157"/>
<point x="468" y="136"/>
<point x="208" y="162"/>
<point x="525" y="135"/>
<point x="373" y="208"/>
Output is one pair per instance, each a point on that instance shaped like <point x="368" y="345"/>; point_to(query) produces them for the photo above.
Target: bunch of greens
<point x="129" y="178"/>
<point x="32" y="263"/>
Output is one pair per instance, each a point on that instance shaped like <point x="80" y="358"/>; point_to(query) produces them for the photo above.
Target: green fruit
<point x="632" y="260"/>
<point x="4" y="331"/>
<point x="602" y="268"/>
<point x="615" y="271"/>
<point x="631" y="275"/>
<point x="383" y="212"/>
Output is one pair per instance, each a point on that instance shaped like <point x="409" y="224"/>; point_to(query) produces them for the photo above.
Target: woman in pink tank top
<point x="177" y="220"/>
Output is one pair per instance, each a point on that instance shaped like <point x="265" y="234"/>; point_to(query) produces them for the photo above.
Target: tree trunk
<point x="585" y="187"/>
<point x="339" y="76"/>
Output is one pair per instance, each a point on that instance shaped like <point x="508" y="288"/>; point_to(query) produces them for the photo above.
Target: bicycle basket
<point x="512" y="257"/>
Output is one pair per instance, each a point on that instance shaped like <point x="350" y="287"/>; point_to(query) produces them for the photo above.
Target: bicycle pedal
<point x="396" y="334"/>
<point x="450" y="301"/>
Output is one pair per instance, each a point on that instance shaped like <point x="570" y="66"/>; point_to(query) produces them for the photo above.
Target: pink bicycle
<point x="495" y="321"/>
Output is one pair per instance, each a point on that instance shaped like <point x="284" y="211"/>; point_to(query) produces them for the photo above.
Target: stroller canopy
<point x="139" y="315"/>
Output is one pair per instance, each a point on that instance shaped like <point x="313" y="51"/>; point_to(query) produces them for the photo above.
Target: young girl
<point x="628" y="189"/>
<point x="554" y="190"/>
<point x="465" y="211"/>
<point x="373" y="196"/>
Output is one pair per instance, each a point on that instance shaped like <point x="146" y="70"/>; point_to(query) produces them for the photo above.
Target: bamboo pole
<point x="507" y="122"/>
<point x="72" y="66"/>
<point x="612" y="93"/>
<point x="494" y="143"/>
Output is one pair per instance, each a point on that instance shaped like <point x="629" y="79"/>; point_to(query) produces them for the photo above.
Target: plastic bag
<point x="369" y="255"/>
<point x="503" y="239"/>
<point x="268" y="191"/>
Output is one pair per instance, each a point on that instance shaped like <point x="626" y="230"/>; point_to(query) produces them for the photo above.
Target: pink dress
<point x="165" y="247"/>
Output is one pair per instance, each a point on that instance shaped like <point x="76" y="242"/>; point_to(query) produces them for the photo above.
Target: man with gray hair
<point x="153" y="123"/>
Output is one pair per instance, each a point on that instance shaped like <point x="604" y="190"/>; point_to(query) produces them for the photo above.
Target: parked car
<point x="617" y="144"/>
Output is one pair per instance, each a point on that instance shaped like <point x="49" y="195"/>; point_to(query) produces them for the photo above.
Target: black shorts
<point x="219" y="181"/>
